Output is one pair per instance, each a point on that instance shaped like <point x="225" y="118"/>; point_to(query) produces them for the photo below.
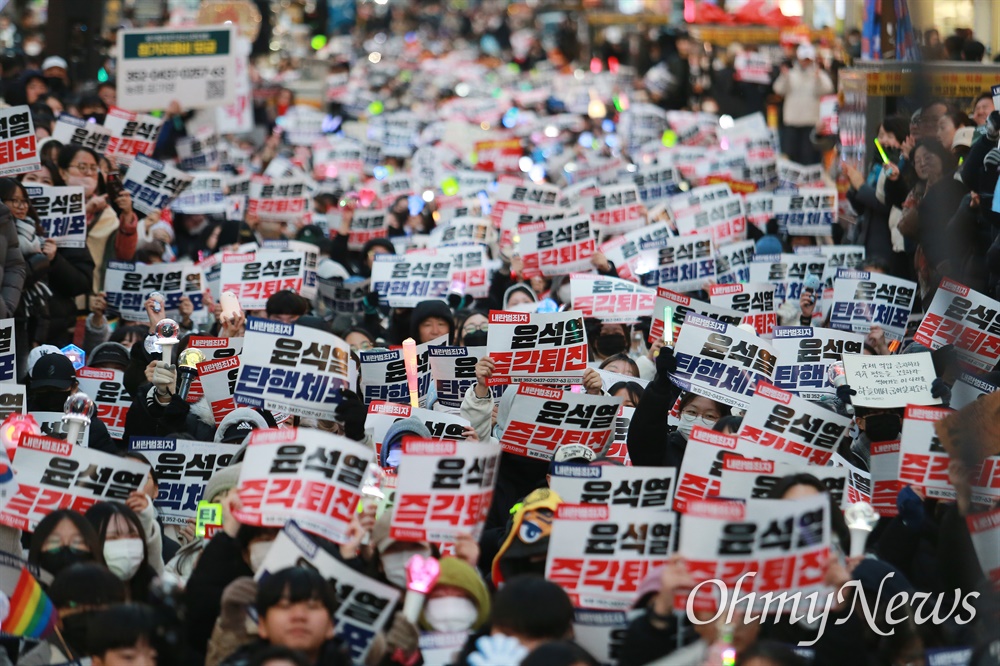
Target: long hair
<point x="100" y="516"/>
<point x="8" y="188"/>
<point x="48" y="524"/>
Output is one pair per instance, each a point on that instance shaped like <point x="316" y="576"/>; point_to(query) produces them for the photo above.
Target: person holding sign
<point x="13" y="270"/>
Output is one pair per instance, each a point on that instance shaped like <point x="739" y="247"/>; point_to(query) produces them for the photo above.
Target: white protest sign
<point x="747" y="478"/>
<point x="442" y="425"/>
<point x="964" y="318"/>
<point x="755" y="300"/>
<point x="468" y="273"/>
<point x="54" y="474"/>
<point x="811" y="212"/>
<point x="153" y="184"/>
<point x="862" y="299"/>
<point x="206" y="195"/>
<point x="237" y="117"/>
<point x="615" y="209"/>
<point x="366" y="225"/>
<point x="543" y="419"/>
<point x="279" y="199"/>
<point x="128" y="285"/>
<point x="723" y="219"/>
<point x="306" y="475"/>
<point x="294" y="369"/>
<point x="556" y="247"/>
<point x="256" y="276"/>
<point x="195" y="67"/>
<point x="106" y="388"/>
<point x="601" y="633"/>
<point x="700" y="473"/>
<point x="62" y="212"/>
<point x="18" y="145"/>
<point x="183" y="468"/>
<point x="969" y="388"/>
<point x="70" y="130"/>
<point x="599" y="555"/>
<point x="655" y="182"/>
<point x="466" y="229"/>
<point x="859" y="482"/>
<point x="683" y="263"/>
<point x="338" y="296"/>
<point x="733" y="261"/>
<point x="805" y="355"/>
<point x="7" y="350"/>
<point x="218" y="380"/>
<point x="612" y="300"/>
<point x="405" y="281"/>
<point x="618" y="450"/>
<point x="201" y="151"/>
<point x="622" y="250"/>
<point x="131" y="134"/>
<point x="720" y="361"/>
<point x="537" y="347"/>
<point x="383" y="373"/>
<point x="787" y="273"/>
<point x="753" y="67"/>
<point x="837" y="257"/>
<point x="213" y="349"/>
<point x="885" y="485"/>
<point x="680" y="306"/>
<point x="984" y="529"/>
<point x="51" y="424"/>
<point x="891" y="381"/>
<point x="12" y="399"/>
<point x="694" y="200"/>
<point x="637" y="487"/>
<point x="454" y="372"/>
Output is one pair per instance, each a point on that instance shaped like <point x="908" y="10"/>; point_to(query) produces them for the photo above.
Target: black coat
<point x="650" y="442"/>
<point x="71" y="274"/>
<point x="221" y="563"/>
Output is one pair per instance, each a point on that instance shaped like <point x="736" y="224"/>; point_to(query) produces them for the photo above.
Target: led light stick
<point x="76" y="415"/>
<point x="13" y="427"/>
<point x="668" y="325"/>
<point x="187" y="370"/>
<point x="410" y="361"/>
<point x="861" y="518"/>
<point x="421" y="575"/>
<point x="166" y="337"/>
<point x="881" y="152"/>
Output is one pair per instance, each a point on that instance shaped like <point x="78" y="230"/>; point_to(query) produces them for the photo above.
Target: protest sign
<point x="859" y="482"/>
<point x="201" y="151"/>
<point x="599" y="555"/>
<point x="12" y="399"/>
<point x="862" y="299"/>
<point x="18" y="145"/>
<point x="7" y="350"/>
<point x="498" y="156"/>
<point x="107" y="389"/>
<point x="454" y="372"/>
<point x="755" y="300"/>
<point x="785" y="428"/>
<point x="195" y="67"/>
<point x="153" y="184"/>
<point x="753" y="67"/>
<point x="274" y="373"/>
<point x="279" y="200"/>
<point x="383" y="373"/>
<point x="205" y="195"/>
<point x="305" y="475"/>
<point x="885" y="484"/>
<point x="131" y="134"/>
<point x="382" y="414"/>
<point x="556" y="247"/>
<point x="782" y="544"/>
<point x="683" y="263"/>
<point x="787" y="272"/>
<point x="747" y="478"/>
<point x="732" y="262"/>
<point x="837" y="257"/>
<point x="655" y="182"/>
<point x="517" y="190"/>
<point x="622" y="250"/>
<point x="183" y="468"/>
<point x="964" y="318"/>
<point x="805" y="354"/>
<point x="54" y="474"/>
<point x="968" y="388"/>
<point x="468" y="274"/>
<point x="793" y="173"/>
<point x="62" y="212"/>
<point x="537" y="347"/>
<point x="721" y="361"/>
<point x="984" y="528"/>
<point x="128" y="285"/>
<point x="256" y="276"/>
<point x="811" y="212"/>
<point x="700" y="472"/>
<point x="339" y="296"/>
<point x="218" y="381"/>
<point x="364" y="604"/>
<point x="615" y="209"/>
<point x="51" y="424"/>
<point x="466" y="229"/>
<point x="601" y="633"/>
<point x="891" y="381"/>
<point x="618" y="450"/>
<point x="688" y="203"/>
<point x="366" y="225"/>
<point x="681" y="305"/>
<point x="213" y="349"/>
<point x="543" y="419"/>
<point x="612" y="300"/>
<point x="311" y="254"/>
<point x="405" y="281"/>
<point x="70" y="130"/>
<point x="441" y="648"/>
<point x="723" y="219"/>
<point x="444" y="490"/>
<point x="637" y="487"/>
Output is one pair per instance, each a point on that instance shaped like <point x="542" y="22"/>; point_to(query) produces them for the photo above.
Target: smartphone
<point x="230" y="305"/>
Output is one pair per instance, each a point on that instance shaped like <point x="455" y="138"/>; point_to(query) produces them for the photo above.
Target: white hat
<point x="805" y="52"/>
<point x="38" y="352"/>
<point x="963" y="137"/>
<point x="573" y="452"/>
<point x="54" y="61"/>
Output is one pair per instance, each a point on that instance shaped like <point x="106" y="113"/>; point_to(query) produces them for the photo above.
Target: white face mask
<point x="258" y="553"/>
<point x="88" y="183"/>
<point x="450" y="613"/>
<point x="394" y="566"/>
<point x="688" y="423"/>
<point x="123" y="557"/>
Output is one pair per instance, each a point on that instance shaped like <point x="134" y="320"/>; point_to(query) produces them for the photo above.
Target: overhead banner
<point x="383" y="373"/>
<point x="682" y="263"/>
<point x="444" y="490"/>
<point x="62" y="212"/>
<point x="966" y="319"/>
<point x="107" y="389"/>
<point x="888" y="382"/>
<point x="746" y="478"/>
<point x="53" y="474"/>
<point x="636" y="487"/>
<point x="600" y="555"/>
<point x="543" y="419"/>
<point x="183" y="468"/>
<point x="153" y="184"/>
<point x="195" y="67"/>
<point x="442" y="425"/>
<point x="548" y="348"/>
<point x="256" y="276"/>
<point x="556" y="247"/>
<point x="128" y="285"/>
<point x="612" y="300"/>
<point x="805" y="355"/>
<point x="720" y="361"/>
<point x="680" y="306"/>
<point x="305" y="475"/>
<point x="18" y="145"/>
<point x="862" y="299"/>
<point x="755" y="300"/>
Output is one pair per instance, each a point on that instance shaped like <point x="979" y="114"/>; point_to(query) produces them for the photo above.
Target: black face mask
<point x="609" y="345"/>
<point x="882" y="427"/>
<point x="48" y="401"/>
<point x="56" y="560"/>
<point x="475" y="339"/>
<point x="74" y="631"/>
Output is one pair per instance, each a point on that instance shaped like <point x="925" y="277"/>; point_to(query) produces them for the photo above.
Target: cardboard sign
<point x="599" y="555"/>
<point x="885" y="484"/>
<point x="787" y="272"/>
<point x="444" y="490"/>
<point x="862" y="299"/>
<point x="12" y="399"/>
<point x="107" y="389"/>
<point x="256" y="276"/>
<point x="195" y="67"/>
<point x="755" y="300"/>
<point x="984" y="528"/>
<point x="784" y="543"/>
<point x="62" y="212"/>
<point x="785" y="428"/>
<point x="366" y="225"/>
<point x="305" y="475"/>
<point x="383" y="373"/>
<point x="746" y="478"/>
<point x="966" y="319"/>
<point x="381" y="416"/>
<point x="612" y="300"/>
<point x="681" y="305"/>
<point x="153" y="184"/>
<point x="623" y="250"/>
<point x="183" y="468"/>
<point x="732" y="262"/>
<point x="18" y="145"/>
<point x="128" y="285"/>
<point x="723" y="218"/>
<point x="556" y="247"/>
<point x="131" y="134"/>
<point x="805" y="355"/>
<point x="365" y="605"/>
<point x="7" y="351"/>
<point x="637" y="487"/>
<point x="549" y="348"/>
<point x="218" y="381"/>
<point x="294" y="369"/>
<point x="543" y="419"/>
<point x="70" y="130"/>
<point x="720" y="361"/>
<point x="891" y="381"/>
<point x="682" y="263"/>
<point x="54" y="474"/>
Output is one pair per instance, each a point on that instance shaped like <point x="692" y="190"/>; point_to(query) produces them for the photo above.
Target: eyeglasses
<point x="85" y="168"/>
<point x="16" y="202"/>
<point x="472" y="328"/>
<point x="692" y="415"/>
<point x="364" y="346"/>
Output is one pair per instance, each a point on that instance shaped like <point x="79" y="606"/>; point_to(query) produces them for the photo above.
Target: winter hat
<point x="408" y="427"/>
<point x="527" y="534"/>
<point x="459" y="573"/>
<point x="428" y="309"/>
<point x="238" y="424"/>
<point x="38" y="352"/>
<point x="110" y="352"/>
<point x="222" y="481"/>
<point x="768" y="245"/>
<point x="53" y="371"/>
<point x="519" y="287"/>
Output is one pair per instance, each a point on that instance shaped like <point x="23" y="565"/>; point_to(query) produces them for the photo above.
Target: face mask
<point x="74" y="630"/>
<point x="688" y="422"/>
<point x="394" y="566"/>
<point x="56" y="560"/>
<point x="88" y="183"/>
<point x="392" y="458"/>
<point x="258" y="552"/>
<point x="475" y="339"/>
<point x="609" y="345"/>
<point x="450" y="613"/>
<point x="123" y="557"/>
<point x="882" y="427"/>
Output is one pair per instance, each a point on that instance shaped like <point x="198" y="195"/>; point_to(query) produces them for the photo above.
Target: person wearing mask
<point x="392" y="556"/>
<point x="802" y="85"/>
<point x="472" y="328"/>
<point x="52" y="381"/>
<point x="608" y="340"/>
<point x="126" y="546"/>
<point x="459" y="600"/>
<point x="64" y="538"/>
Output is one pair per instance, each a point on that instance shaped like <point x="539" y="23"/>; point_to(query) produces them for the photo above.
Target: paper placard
<point x="556" y="247"/>
<point x="382" y="414"/>
<point x="612" y="300"/>
<point x="383" y="373"/>
<point x="128" y="285"/>
<point x="682" y="305"/>
<point x="62" y="212"/>
<point x="755" y="300"/>
<point x="862" y="299"/>
<point x="891" y="381"/>
<point x="805" y="354"/>
<point x="964" y="318"/>
<point x="537" y="347"/>
<point x="106" y="388"/>
<point x="745" y="478"/>
<point x="153" y="184"/>
<point x="183" y="468"/>
<point x="256" y="276"/>
<point x="682" y="263"/>
<point x="18" y="145"/>
<point x="636" y="487"/>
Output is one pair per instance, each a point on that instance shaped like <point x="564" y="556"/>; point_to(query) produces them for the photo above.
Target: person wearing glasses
<point x="472" y="328"/>
<point x="13" y="271"/>
<point x="108" y="237"/>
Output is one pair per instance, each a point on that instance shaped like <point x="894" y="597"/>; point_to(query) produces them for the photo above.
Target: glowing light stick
<point x="76" y="415"/>
<point x="13" y="427"/>
<point x="881" y="151"/>
<point x="861" y="518"/>
<point x="421" y="575"/>
<point x="410" y="362"/>
<point x="668" y="325"/>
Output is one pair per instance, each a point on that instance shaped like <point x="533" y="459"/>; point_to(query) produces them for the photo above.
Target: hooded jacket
<point x="427" y="309"/>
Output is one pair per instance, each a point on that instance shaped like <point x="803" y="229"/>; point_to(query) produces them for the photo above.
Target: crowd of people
<point x="405" y="97"/>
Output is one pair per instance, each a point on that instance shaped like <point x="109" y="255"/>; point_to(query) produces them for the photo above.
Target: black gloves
<point x="352" y="413"/>
<point x="666" y="364"/>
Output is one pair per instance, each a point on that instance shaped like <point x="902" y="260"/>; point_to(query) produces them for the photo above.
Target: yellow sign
<point x="209" y="513"/>
<point x="943" y="84"/>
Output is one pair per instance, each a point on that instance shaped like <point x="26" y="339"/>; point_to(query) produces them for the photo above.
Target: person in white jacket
<point x="802" y="86"/>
